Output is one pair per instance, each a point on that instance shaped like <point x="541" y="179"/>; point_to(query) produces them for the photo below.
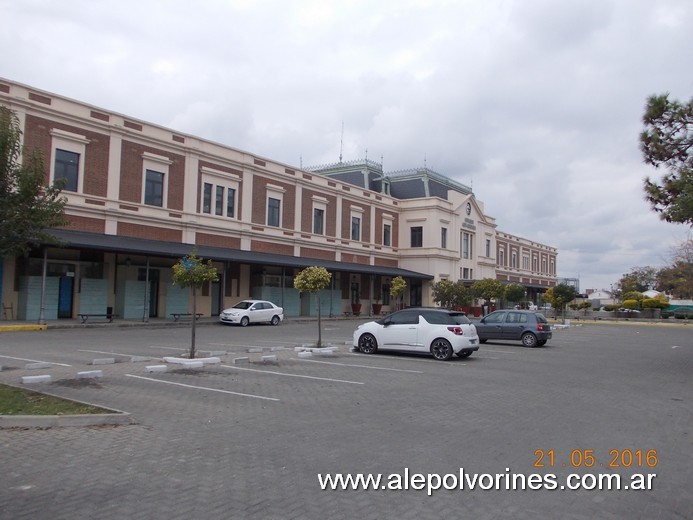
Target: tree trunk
<point x="317" y="297"/>
<point x="194" y="319"/>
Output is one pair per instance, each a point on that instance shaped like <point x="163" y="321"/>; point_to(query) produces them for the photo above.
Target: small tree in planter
<point x="313" y="280"/>
<point x="515" y="292"/>
<point x="443" y="293"/>
<point x="397" y="288"/>
<point x="488" y="289"/>
<point x="559" y="296"/>
<point x="190" y="271"/>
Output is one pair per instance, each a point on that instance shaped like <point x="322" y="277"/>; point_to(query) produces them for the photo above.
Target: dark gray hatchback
<point x="530" y="327"/>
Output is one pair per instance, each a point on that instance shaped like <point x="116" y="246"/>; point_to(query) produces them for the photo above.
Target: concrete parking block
<point x="269" y="359"/>
<point x="140" y="359"/>
<point x="37" y="366"/>
<point x="209" y="360"/>
<point x="241" y="360"/>
<point x="193" y="364"/>
<point x="155" y="368"/>
<point x="103" y="361"/>
<point x="90" y="374"/>
<point x="305" y="354"/>
<point x="27" y="380"/>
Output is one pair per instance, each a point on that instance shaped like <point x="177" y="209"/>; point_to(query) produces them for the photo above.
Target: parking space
<point x="249" y="437"/>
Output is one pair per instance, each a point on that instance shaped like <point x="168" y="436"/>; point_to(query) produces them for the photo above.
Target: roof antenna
<point x="341" y="144"/>
<point x="425" y="167"/>
<point x="300" y="159"/>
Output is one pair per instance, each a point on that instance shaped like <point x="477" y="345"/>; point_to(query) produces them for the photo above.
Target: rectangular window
<point x="387" y="235"/>
<point x="219" y="202"/>
<point x="465" y="273"/>
<point x="501" y="257"/>
<point x="273" y="207"/>
<point x="67" y="168"/>
<point x="355" y="228"/>
<point x="488" y="248"/>
<point x="444" y="238"/>
<point x="513" y="259"/>
<point x="154" y="188"/>
<point x="207" y="198"/>
<point x="230" y="202"/>
<point x="318" y="221"/>
<point x="466" y="246"/>
<point x="417" y="236"/>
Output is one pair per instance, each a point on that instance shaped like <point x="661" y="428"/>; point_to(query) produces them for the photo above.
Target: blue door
<point x="65" y="296"/>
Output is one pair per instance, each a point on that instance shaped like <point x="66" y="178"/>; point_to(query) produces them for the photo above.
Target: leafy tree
<point x="190" y="271"/>
<point x="640" y="279"/>
<point x="449" y="294"/>
<point x="27" y="207"/>
<point x="443" y="293"/>
<point x="633" y="295"/>
<point x="515" y="292"/>
<point x="667" y="141"/>
<point x="559" y="296"/>
<point x="397" y="288"/>
<point x="488" y="289"/>
<point x="677" y="279"/>
<point x="313" y="280"/>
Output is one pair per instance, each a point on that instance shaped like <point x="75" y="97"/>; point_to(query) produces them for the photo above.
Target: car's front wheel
<point x="275" y="320"/>
<point x="529" y="340"/>
<point x="368" y="344"/>
<point x="441" y="349"/>
<point x="244" y="321"/>
<point x="464" y="353"/>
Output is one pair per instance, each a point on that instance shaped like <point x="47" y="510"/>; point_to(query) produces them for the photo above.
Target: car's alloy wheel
<point x="529" y="340"/>
<point x="244" y="321"/>
<point x="464" y="353"/>
<point x="275" y="320"/>
<point x="441" y="349"/>
<point x="368" y="344"/>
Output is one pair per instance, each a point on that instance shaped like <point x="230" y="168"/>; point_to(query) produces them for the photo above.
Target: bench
<point x="109" y="317"/>
<point x="178" y="315"/>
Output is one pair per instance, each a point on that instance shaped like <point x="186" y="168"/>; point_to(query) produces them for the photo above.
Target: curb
<point x="53" y="421"/>
<point x="12" y="328"/>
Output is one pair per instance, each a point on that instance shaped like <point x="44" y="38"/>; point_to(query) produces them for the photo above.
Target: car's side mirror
<point x="386" y="322"/>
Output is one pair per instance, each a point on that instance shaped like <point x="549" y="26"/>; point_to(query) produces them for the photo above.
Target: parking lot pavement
<point x="247" y="439"/>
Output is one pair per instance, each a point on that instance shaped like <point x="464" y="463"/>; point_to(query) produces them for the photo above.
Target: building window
<point x="466" y="246"/>
<point x="355" y="228"/>
<point x="387" y="235"/>
<point x="513" y="259"/>
<point x="525" y="262"/>
<point x="535" y="264"/>
<point x="207" y="198"/>
<point x="417" y="236"/>
<point x="501" y="257"/>
<point x="467" y="274"/>
<point x="318" y="221"/>
<point x="444" y="238"/>
<point x="488" y="248"/>
<point x="154" y="188"/>
<point x="67" y="168"/>
<point x="273" y="207"/>
<point x="230" y="202"/>
<point x="543" y="266"/>
<point x="219" y="201"/>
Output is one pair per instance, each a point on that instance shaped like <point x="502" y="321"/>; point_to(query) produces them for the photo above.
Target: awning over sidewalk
<point x="141" y="246"/>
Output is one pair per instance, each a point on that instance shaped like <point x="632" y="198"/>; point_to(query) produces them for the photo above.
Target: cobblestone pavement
<point x="248" y="439"/>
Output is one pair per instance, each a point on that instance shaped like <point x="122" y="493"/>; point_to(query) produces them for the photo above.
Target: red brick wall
<point x="271" y="247"/>
<point x="91" y="225"/>
<point x="205" y="239"/>
<point x="237" y="173"/>
<point x="288" y="208"/>
<point x="308" y="252"/>
<point x="365" y="220"/>
<point x="354" y="259"/>
<point x="132" y="170"/>
<point x="37" y="136"/>
<point x="149" y="232"/>
<point x="388" y="262"/>
<point x="330" y="212"/>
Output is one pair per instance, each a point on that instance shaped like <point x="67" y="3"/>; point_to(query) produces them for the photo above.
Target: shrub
<point x="653" y="303"/>
<point x="611" y="308"/>
<point x="630" y="304"/>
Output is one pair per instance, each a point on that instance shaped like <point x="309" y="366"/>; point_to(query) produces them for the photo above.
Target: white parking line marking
<point x="203" y="388"/>
<point x="167" y="348"/>
<point x="294" y="375"/>
<point x="36" y="361"/>
<point x="103" y="352"/>
<point x="421" y="359"/>
<point x="359" y="366"/>
<point x="499" y="351"/>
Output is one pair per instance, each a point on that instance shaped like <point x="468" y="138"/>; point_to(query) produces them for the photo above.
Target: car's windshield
<point x="243" y="305"/>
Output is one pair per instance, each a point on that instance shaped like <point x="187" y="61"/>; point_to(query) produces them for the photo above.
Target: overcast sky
<point x="535" y="103"/>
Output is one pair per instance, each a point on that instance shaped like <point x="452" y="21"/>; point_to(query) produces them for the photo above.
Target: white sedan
<point x="438" y="331"/>
<point x="252" y="311"/>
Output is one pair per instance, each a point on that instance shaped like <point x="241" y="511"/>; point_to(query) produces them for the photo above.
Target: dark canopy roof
<point x="121" y="244"/>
